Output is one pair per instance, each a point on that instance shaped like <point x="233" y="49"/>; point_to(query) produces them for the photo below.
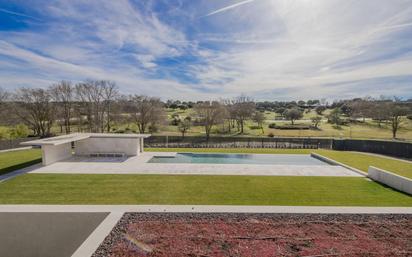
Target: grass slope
<point x="362" y="161"/>
<point x="218" y="190"/>
<point x="10" y="161"/>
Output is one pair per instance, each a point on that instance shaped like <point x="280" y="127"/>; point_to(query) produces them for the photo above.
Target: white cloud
<point x="226" y="8"/>
<point x="300" y="47"/>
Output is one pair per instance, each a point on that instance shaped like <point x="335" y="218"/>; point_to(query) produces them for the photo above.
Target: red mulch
<point x="263" y="235"/>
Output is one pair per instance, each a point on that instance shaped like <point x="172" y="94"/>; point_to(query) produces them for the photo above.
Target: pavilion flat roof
<point x="59" y="140"/>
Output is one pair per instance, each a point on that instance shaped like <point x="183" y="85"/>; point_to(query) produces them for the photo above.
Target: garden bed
<point x="168" y="234"/>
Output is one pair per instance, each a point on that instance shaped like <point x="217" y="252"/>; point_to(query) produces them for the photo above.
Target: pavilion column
<point x="55" y="153"/>
<point x="141" y="145"/>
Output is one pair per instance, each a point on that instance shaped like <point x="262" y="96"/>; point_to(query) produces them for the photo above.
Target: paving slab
<point x="44" y="234"/>
<point x="139" y="165"/>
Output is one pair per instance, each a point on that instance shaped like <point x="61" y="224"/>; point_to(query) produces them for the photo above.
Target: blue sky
<point x="210" y="49"/>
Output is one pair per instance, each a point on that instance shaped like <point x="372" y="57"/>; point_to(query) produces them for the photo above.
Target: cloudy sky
<point x="203" y="49"/>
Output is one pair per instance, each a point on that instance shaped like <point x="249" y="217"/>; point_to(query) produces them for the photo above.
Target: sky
<point x="211" y="49"/>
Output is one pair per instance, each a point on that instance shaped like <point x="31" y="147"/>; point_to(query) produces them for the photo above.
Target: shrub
<point x="19" y="131"/>
<point x="254" y="127"/>
<point x="271" y="134"/>
<point x="272" y="125"/>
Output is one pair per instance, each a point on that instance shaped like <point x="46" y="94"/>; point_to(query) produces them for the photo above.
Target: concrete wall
<point x="129" y="146"/>
<point x="54" y="153"/>
<point x="393" y="180"/>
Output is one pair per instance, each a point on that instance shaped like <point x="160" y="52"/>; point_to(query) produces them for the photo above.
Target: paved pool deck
<point x="46" y="234"/>
<point x="140" y="165"/>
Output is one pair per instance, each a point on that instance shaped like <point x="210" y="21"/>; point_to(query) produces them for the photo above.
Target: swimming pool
<point x="270" y="159"/>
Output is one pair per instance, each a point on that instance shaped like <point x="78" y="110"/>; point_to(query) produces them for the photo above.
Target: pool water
<point x="270" y="159"/>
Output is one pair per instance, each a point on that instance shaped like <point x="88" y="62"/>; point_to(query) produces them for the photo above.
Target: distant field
<point x="15" y="160"/>
<point x="369" y="129"/>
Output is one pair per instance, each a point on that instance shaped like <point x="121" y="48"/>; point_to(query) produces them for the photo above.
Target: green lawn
<point x="363" y="161"/>
<point x="10" y="161"/>
<point x="210" y="190"/>
<point x="354" y="159"/>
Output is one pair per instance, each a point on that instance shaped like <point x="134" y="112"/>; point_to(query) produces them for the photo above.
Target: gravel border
<point x="129" y="218"/>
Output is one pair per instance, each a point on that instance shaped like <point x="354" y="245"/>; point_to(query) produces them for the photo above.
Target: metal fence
<point x="237" y="142"/>
<point x="391" y="148"/>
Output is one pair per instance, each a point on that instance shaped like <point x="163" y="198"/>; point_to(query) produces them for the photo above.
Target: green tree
<point x="335" y="117"/>
<point x="184" y="126"/>
<point x="293" y="114"/>
<point x="316" y="121"/>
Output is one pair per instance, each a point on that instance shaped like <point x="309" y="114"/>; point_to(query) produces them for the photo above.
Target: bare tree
<point x="211" y="113"/>
<point x="35" y="109"/>
<point x="230" y="113"/>
<point x="243" y="109"/>
<point x="62" y="93"/>
<point x="361" y="108"/>
<point x="184" y="126"/>
<point x="4" y="96"/>
<point x="381" y="111"/>
<point x="147" y="112"/>
<point x="95" y="101"/>
<point x="397" y="114"/>
<point x="259" y="118"/>
<point x="110" y="93"/>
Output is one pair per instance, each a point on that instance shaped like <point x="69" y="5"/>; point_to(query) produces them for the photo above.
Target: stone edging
<point x="333" y="162"/>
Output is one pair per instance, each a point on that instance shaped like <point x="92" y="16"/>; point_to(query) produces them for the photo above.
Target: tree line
<point x="96" y="105"/>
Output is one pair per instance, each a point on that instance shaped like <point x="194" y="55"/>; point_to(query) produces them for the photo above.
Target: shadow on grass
<point x="19" y="166"/>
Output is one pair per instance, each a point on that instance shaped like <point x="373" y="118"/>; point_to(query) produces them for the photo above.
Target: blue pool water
<point x="273" y="159"/>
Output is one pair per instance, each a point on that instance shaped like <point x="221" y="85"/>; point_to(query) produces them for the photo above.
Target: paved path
<point x="139" y="165"/>
<point x="203" y="208"/>
<point x="45" y="234"/>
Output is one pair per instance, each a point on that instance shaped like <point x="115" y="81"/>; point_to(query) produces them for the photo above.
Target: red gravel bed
<point x="260" y="235"/>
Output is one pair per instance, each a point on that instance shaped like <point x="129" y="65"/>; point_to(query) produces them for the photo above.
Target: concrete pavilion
<point x="59" y="148"/>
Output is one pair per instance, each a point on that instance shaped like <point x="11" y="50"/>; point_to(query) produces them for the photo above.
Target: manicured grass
<point x="362" y="161"/>
<point x="10" y="161"/>
<point x="210" y="190"/>
<point x="232" y="150"/>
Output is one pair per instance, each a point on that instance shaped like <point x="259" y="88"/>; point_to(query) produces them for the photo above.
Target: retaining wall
<point x="390" y="179"/>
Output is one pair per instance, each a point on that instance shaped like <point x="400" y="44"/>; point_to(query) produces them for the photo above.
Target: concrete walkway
<point x="140" y="165"/>
<point x="47" y="234"/>
<point x="95" y="238"/>
<point x="205" y="208"/>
